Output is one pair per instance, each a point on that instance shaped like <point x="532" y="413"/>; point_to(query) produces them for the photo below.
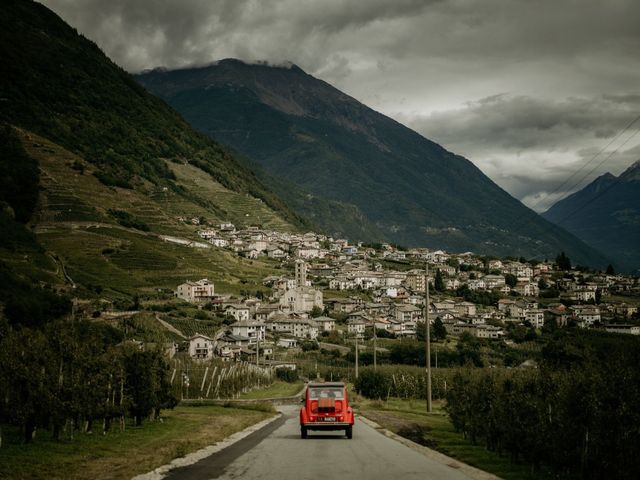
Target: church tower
<point x="301" y="273"/>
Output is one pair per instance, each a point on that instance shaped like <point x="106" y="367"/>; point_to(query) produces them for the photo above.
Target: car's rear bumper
<point x="326" y="425"/>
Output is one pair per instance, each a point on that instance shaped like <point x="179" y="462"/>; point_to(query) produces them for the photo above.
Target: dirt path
<point x="170" y="327"/>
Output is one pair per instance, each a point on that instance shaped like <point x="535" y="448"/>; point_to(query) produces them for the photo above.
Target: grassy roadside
<point x="121" y="455"/>
<point x="409" y="419"/>
<point x="275" y="390"/>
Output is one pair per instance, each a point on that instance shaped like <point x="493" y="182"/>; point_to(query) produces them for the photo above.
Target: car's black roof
<point x="326" y="384"/>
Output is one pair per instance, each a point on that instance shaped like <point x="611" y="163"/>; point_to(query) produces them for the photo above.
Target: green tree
<point x="563" y="262"/>
<point x="468" y="350"/>
<point x="438" y="283"/>
<point x="19" y="176"/>
<point x="610" y="270"/>
<point x="145" y="387"/>
<point x="439" y="330"/>
<point x="511" y="280"/>
<point x="372" y="384"/>
<point x="25" y="381"/>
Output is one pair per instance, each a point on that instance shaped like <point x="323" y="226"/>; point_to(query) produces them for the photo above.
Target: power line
<point x="629" y="125"/>
<point x="600" y="194"/>
<point x="518" y="228"/>
<point x="607" y="157"/>
<point x="610" y="186"/>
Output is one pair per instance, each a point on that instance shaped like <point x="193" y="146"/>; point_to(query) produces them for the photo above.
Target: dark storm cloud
<point x="538" y="149"/>
<point x="182" y="32"/>
<point x="519" y="123"/>
<point x="525" y="89"/>
<point x="145" y="33"/>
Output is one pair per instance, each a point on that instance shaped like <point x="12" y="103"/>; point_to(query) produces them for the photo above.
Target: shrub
<point x="373" y="384"/>
<point x="287" y="375"/>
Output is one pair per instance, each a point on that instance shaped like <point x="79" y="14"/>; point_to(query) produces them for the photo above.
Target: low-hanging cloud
<point x="540" y="150"/>
<point x="556" y="79"/>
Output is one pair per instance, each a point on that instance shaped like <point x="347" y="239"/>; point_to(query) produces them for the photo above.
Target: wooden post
<point x="427" y="334"/>
<point x="213" y="374"/>
<point x="375" y="346"/>
<point x="204" y="379"/>
<point x="356" y="355"/>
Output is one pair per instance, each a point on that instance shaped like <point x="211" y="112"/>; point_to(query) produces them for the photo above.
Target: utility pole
<point x="356" y="355"/>
<point x="427" y="334"/>
<point x="375" y="347"/>
<point x="258" y="348"/>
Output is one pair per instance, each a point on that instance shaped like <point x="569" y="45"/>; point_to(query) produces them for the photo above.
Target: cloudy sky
<point x="537" y="93"/>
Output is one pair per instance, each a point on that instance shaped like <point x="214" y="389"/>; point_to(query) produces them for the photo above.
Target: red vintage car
<point x="326" y="408"/>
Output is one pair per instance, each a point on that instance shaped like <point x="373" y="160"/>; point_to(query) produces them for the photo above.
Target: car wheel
<point x="303" y="432"/>
<point x="349" y="431"/>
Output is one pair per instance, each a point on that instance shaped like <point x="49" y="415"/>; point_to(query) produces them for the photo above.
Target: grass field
<point x="277" y="389"/>
<point x="121" y="455"/>
<point x="409" y="419"/>
<point x="75" y="221"/>
<point x="125" y="262"/>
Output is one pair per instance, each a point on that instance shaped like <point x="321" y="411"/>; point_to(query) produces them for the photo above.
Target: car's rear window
<point x="326" y="392"/>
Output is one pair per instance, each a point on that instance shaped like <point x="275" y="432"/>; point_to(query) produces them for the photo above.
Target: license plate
<point x="329" y="419"/>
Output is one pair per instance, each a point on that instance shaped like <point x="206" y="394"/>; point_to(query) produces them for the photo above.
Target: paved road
<point x="277" y="452"/>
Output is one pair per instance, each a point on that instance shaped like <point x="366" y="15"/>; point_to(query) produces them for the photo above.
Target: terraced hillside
<point x="354" y="171"/>
<point x="72" y="221"/>
<point x="96" y="173"/>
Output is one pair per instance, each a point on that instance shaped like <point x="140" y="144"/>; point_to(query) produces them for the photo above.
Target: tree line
<point x="66" y="375"/>
<point x="578" y="415"/>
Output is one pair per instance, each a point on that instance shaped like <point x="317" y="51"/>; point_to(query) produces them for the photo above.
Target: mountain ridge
<point x="61" y="86"/>
<point x="97" y="173"/>
<point x="606" y="215"/>
<point x="409" y="189"/>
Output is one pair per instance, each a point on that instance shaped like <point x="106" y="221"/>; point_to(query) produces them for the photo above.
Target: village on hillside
<point x="352" y="291"/>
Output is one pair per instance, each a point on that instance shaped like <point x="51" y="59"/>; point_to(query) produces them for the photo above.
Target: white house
<point x="465" y="308"/>
<point x="253" y="330"/>
<point x="200" y="291"/>
<point x="494" y="281"/>
<point x="200" y="346"/>
<point x="356" y="326"/>
<point x="304" y="329"/>
<point x="238" y="311"/>
<point x="527" y="289"/>
<point x="588" y="314"/>
<point x="619" y="328"/>
<point x="535" y="316"/>
<point x="325" y="324"/>
<point x="287" y="342"/>
<point x="407" y="313"/>
<point x="489" y="331"/>
<point x="341" y="283"/>
<point x="218" y="242"/>
<point x="276" y="252"/>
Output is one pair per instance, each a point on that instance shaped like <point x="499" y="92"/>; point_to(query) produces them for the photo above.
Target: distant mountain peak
<point x="631" y="174"/>
<point x="606" y="215"/>
<point x="287" y="65"/>
<point x="379" y="179"/>
<point x="603" y="181"/>
<point x="605" y="177"/>
<point x="225" y="62"/>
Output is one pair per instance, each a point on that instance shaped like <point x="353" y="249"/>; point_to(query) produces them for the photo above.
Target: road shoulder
<point x="195" y="457"/>
<point x="468" y="470"/>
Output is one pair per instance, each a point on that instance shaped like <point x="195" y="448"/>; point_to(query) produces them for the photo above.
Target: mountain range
<point x="353" y="171"/>
<point x="95" y="172"/>
<point x="606" y="215"/>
